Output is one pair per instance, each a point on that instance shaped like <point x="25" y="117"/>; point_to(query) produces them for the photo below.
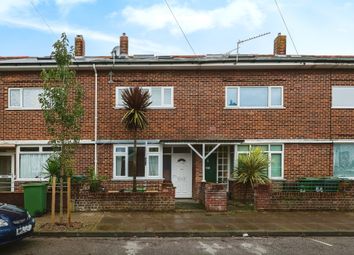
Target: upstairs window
<point x="342" y="97"/>
<point x="161" y="97"/>
<point x="254" y="97"/>
<point x="24" y="98"/>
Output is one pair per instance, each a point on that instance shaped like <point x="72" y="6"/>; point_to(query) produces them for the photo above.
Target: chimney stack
<point x="280" y="45"/>
<point x="123" y="45"/>
<point x="79" y="46"/>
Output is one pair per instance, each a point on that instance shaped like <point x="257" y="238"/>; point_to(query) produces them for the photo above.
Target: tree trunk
<point x="68" y="200"/>
<point x="135" y="157"/>
<point x="61" y="198"/>
<point x="54" y="183"/>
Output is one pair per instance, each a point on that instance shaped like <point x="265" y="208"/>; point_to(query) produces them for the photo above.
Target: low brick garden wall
<point x="17" y="198"/>
<point x="162" y="200"/>
<point x="213" y="196"/>
<point x="267" y="199"/>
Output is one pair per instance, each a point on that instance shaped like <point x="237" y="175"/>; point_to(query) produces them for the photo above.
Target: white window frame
<point x="163" y="104"/>
<point x="147" y="154"/>
<point x="269" y="106"/>
<point x="18" y="152"/>
<point x="269" y="153"/>
<point x="21" y="107"/>
<point x="341" y="107"/>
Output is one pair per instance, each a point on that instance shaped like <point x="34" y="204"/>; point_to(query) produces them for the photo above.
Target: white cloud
<point x="136" y="45"/>
<point x="236" y="12"/>
<point x="66" y="5"/>
<point x="15" y="5"/>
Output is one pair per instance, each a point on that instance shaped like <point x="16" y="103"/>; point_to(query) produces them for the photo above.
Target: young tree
<point x="252" y="169"/>
<point x="62" y="104"/>
<point x="136" y="102"/>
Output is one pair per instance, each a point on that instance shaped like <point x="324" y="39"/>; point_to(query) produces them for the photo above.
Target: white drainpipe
<point x="96" y="117"/>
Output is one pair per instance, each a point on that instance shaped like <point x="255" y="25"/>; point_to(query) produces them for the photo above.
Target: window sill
<point x="138" y="179"/>
<point x="343" y="108"/>
<point x="149" y="108"/>
<point x="253" y="108"/>
<point x="22" y="109"/>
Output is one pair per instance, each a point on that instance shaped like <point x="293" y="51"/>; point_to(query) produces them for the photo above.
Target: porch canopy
<point x="202" y="154"/>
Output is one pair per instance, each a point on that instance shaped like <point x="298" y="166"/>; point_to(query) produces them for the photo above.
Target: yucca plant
<point x="52" y="167"/>
<point x="135" y="101"/>
<point x="252" y="169"/>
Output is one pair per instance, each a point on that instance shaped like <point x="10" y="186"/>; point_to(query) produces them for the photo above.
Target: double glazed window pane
<point x="343" y="97"/>
<point x="276" y="98"/>
<point x="15" y="98"/>
<point x="276" y="165"/>
<point x="167" y="96"/>
<point x="31" y="98"/>
<point x="31" y="165"/>
<point x="254" y="97"/>
<point x="153" y="165"/>
<point x="120" y="165"/>
<point x="156" y="97"/>
<point x="231" y="97"/>
<point x="344" y="160"/>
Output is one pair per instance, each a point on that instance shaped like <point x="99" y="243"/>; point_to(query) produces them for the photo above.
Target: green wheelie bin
<point x="35" y="198"/>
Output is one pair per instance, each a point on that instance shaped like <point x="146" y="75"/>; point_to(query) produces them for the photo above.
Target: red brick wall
<point x="199" y="98"/>
<point x="238" y="191"/>
<point x="266" y="199"/>
<point x="308" y="160"/>
<point x="163" y="200"/>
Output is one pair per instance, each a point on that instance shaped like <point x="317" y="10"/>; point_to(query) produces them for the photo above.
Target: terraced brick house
<point x="206" y="110"/>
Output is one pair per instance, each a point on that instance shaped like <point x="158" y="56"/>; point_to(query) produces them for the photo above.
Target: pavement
<point x="185" y="246"/>
<point x="203" y="224"/>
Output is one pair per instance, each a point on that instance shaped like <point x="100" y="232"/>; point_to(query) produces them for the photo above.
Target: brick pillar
<point x="197" y="175"/>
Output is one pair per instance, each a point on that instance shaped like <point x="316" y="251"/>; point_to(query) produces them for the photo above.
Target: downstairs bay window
<point x="275" y="154"/>
<point x="31" y="161"/>
<point x="148" y="166"/>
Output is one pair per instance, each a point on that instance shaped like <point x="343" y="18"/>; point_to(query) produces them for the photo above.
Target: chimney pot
<point x="123" y="45"/>
<point x="79" y="46"/>
<point x="280" y="45"/>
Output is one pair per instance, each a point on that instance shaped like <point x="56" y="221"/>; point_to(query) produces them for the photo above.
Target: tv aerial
<point x="239" y="42"/>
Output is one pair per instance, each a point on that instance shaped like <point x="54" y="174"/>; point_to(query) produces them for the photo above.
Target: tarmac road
<point x="185" y="246"/>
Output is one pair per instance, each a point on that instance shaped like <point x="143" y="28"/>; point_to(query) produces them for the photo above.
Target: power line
<point x="43" y="19"/>
<point x="184" y="34"/>
<point x="286" y="27"/>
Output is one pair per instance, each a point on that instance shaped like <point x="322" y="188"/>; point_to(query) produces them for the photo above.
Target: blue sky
<point x="212" y="26"/>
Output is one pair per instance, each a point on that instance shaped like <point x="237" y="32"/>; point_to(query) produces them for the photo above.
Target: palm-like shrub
<point x="252" y="169"/>
<point x="136" y="101"/>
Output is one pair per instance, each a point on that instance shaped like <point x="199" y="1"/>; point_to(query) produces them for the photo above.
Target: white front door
<point x="6" y="172"/>
<point x="182" y="174"/>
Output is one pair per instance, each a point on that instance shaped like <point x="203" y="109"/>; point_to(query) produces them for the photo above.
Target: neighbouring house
<point x="206" y="110"/>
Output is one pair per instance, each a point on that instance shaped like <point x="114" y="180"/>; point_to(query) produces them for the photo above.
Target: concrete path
<point x="210" y="224"/>
<point x="185" y="246"/>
